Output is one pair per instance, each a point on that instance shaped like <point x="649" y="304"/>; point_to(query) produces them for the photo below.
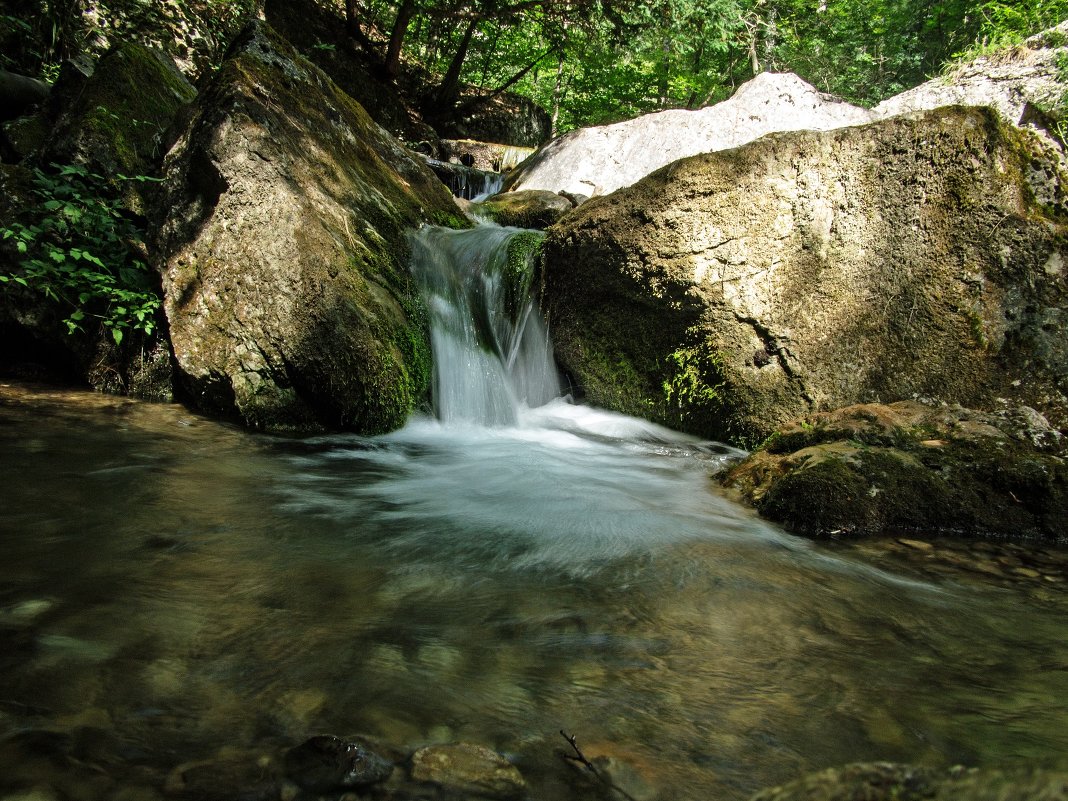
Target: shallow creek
<point x="174" y="587"/>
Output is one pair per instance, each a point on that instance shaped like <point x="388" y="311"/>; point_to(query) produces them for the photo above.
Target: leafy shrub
<point x="78" y="247"/>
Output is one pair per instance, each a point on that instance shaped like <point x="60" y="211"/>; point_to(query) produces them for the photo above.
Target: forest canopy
<point x="595" y="61"/>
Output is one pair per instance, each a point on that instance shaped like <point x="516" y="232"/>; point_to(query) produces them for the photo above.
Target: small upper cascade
<point x="492" y="354"/>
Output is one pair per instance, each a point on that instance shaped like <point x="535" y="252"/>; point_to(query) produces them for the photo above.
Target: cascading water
<point x="492" y="355"/>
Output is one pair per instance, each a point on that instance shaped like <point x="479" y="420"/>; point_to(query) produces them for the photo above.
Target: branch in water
<point x="580" y="757"/>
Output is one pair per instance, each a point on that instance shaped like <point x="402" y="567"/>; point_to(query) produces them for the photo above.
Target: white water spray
<point x="492" y="356"/>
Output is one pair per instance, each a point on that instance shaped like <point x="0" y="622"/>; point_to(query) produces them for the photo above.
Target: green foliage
<point x="694" y="379"/>
<point x="1007" y="23"/>
<point x="77" y="248"/>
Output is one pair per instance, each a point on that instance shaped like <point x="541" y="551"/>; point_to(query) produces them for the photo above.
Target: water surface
<point x="176" y="587"/>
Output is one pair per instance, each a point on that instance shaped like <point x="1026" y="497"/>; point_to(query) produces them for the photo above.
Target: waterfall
<point x="492" y="355"/>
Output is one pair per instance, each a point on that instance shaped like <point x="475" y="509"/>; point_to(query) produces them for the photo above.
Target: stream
<point x="173" y="588"/>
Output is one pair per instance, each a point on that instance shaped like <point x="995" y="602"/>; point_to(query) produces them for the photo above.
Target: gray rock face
<point x="284" y="254"/>
<point x="597" y="161"/>
<point x="468" y="768"/>
<point x="1021" y="83"/>
<point x="920" y="256"/>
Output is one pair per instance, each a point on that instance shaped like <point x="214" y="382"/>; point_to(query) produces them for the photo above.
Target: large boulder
<point x="599" y="160"/>
<point x="505" y="118"/>
<point x="1025" y="84"/>
<point x="920" y="256"/>
<point x="283" y="248"/>
<point x="909" y="468"/>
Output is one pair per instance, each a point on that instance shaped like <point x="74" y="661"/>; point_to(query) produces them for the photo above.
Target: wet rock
<point x="908" y="258"/>
<point x="327" y="763"/>
<point x="868" y="469"/>
<point x="283" y="245"/>
<point x="525" y="209"/>
<point x="468" y="768"/>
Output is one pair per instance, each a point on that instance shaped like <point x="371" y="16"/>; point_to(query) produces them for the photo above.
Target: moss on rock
<point x="910" y="468"/>
<point x="526" y="209"/>
<point x="283" y="235"/>
<point x="115" y="121"/>
<point x="920" y="256"/>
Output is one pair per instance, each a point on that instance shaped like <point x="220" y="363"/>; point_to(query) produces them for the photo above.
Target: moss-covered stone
<point x="921" y="256"/>
<point x="284" y="250"/>
<point x="527" y="209"/>
<point x="910" y="468"/>
<point x="115" y="122"/>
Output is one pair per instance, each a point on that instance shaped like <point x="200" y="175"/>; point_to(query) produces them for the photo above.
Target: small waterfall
<point x="467" y="182"/>
<point x="492" y="354"/>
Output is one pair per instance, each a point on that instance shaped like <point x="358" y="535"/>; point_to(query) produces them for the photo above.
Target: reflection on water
<point x="176" y="586"/>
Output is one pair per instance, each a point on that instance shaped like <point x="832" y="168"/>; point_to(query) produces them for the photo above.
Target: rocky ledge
<point x="910" y="468"/>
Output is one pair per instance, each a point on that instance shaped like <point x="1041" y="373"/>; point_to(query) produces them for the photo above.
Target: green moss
<point x="825" y="498"/>
<point x="449" y="219"/>
<point x="126" y="106"/>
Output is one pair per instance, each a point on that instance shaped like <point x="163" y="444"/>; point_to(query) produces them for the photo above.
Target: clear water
<point x="171" y="587"/>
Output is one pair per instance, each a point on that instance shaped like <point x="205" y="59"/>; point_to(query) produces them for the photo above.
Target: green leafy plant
<point x="691" y="369"/>
<point x="77" y="247"/>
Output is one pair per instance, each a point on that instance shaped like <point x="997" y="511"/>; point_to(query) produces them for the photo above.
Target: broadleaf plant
<point x="78" y="247"/>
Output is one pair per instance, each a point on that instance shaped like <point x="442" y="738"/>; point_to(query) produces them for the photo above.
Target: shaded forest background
<point x="596" y="61"/>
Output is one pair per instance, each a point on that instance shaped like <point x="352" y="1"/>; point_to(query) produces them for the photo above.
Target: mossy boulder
<point x="282" y="241"/>
<point x="910" y="468"/>
<point x="727" y="293"/>
<point x="530" y="208"/>
<point x="115" y="121"/>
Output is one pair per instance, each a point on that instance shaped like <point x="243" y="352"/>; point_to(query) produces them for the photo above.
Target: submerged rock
<point x="921" y="256"/>
<point x="468" y="768"/>
<point x="327" y="763"/>
<point x="599" y="160"/>
<point x="884" y="781"/>
<point x="284" y="253"/>
<point x="908" y="467"/>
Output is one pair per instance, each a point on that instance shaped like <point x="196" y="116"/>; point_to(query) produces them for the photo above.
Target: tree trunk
<point x="449" y="90"/>
<point x="558" y="93"/>
<point x="396" y="37"/>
